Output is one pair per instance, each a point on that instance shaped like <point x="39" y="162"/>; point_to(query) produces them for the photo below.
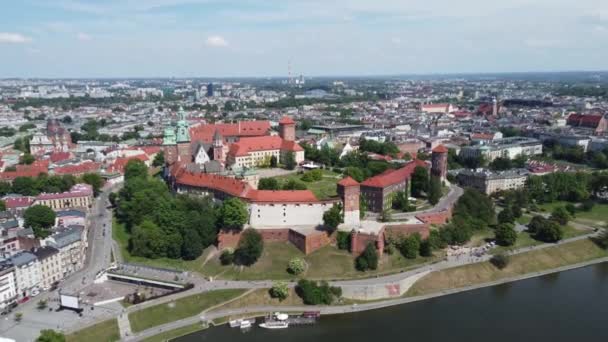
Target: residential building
<point x="50" y="265"/>
<point x="490" y="182"/>
<point x="596" y="123"/>
<point x="28" y="274"/>
<point x="504" y="148"/>
<point x="72" y="244"/>
<point x="79" y="196"/>
<point x="8" y="288"/>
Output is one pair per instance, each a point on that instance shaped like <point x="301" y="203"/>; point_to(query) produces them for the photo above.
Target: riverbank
<point x="223" y="311"/>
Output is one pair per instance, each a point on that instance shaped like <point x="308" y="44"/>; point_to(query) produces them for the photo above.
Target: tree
<point x="434" y="190"/>
<point x="426" y="248"/>
<point x="420" y="181"/>
<point x="94" y="180"/>
<point x="401" y="202"/>
<point x="135" y="168"/>
<point x="551" y="231"/>
<point x="148" y="240"/>
<point x="294" y="184"/>
<point x="506" y="216"/>
<point x="2" y="205"/>
<point x="273" y="161"/>
<point x="192" y="246"/>
<point x="27" y="159"/>
<point x="296" y="266"/>
<point x="159" y="159"/>
<point x="290" y="160"/>
<point x="333" y="217"/>
<point x="505" y="234"/>
<point x="560" y="215"/>
<point x="279" y="290"/>
<point x="250" y="248"/>
<point x="343" y="240"/>
<point x="571" y="209"/>
<point x="313" y="293"/>
<point x="268" y="184"/>
<point x="42" y="304"/>
<point x="18" y="317"/>
<point x="233" y="213"/>
<point x="410" y="246"/>
<point x="368" y="260"/>
<point x="362" y="206"/>
<point x="227" y="257"/>
<point x="536" y="223"/>
<point x="516" y="210"/>
<point x="602" y="240"/>
<point x="40" y="218"/>
<point x="49" y="335"/>
<point x="5" y="188"/>
<point x="500" y="261"/>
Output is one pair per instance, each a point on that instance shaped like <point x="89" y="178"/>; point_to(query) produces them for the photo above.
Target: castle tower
<point x="439" y="162"/>
<point x="184" y="150"/>
<point x="170" y="145"/>
<point x="218" y="146"/>
<point x="349" y="191"/>
<point x="287" y="128"/>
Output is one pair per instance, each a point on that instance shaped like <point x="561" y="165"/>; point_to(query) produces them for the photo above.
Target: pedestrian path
<point x="124" y="326"/>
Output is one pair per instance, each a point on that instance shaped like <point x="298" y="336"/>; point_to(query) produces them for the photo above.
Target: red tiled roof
<point x="391" y="177"/>
<point x="436" y="105"/>
<point x="243" y="129"/>
<point x="286" y="120"/>
<point x="282" y="196"/>
<point x="86" y="167"/>
<point x="348" y="181"/>
<point x="25" y="171"/>
<point x="120" y="163"/>
<point x="18" y="202"/>
<point x="231" y="186"/>
<point x="588" y="120"/>
<point x="440" y="149"/>
<point x="246" y="145"/>
<point x="59" y="156"/>
<point x="482" y="136"/>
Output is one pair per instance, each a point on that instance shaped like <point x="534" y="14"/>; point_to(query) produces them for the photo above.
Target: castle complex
<point x="286" y="215"/>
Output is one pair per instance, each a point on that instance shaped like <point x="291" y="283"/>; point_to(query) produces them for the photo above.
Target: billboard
<point x="69" y="301"/>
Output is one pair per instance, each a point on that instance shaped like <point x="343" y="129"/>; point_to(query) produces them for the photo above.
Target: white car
<point x="35" y="292"/>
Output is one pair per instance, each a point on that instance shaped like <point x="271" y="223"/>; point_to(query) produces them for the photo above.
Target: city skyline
<point x="208" y="38"/>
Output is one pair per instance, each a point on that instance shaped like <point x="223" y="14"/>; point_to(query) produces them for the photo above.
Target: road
<point x="445" y="203"/>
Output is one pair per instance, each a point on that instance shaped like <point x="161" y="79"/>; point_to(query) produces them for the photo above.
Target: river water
<point x="567" y="306"/>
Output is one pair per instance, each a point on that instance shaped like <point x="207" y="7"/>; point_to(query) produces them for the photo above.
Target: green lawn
<point x="106" y="331"/>
<point x="323" y="189"/>
<point x="179" y="309"/>
<point x="520" y="264"/>
<point x="325" y="263"/>
<point x="524" y="219"/>
<point x="175" y="333"/>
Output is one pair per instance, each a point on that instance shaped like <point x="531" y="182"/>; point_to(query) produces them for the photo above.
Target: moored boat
<point x="274" y="325"/>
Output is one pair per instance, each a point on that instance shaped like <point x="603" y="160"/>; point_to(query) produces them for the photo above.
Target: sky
<point x="243" y="38"/>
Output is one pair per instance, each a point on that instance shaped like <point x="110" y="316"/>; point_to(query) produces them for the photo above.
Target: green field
<point x="520" y="264"/>
<point x="325" y="263"/>
<point x="323" y="189"/>
<point x="106" y="331"/>
<point x="179" y="309"/>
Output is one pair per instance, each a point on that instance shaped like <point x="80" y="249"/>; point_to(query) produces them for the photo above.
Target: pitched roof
<point x="242" y="129"/>
<point x="282" y="196"/>
<point x="391" y="177"/>
<point x="440" y="149"/>
<point x="348" y="181"/>
<point x="246" y="145"/>
<point x="231" y="186"/>
<point x="18" y="202"/>
<point x="286" y="120"/>
<point x="86" y="167"/>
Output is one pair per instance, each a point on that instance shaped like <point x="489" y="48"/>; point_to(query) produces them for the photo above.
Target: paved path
<point x="124" y="326"/>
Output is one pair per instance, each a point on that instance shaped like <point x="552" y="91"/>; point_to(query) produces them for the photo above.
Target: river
<point x="567" y="306"/>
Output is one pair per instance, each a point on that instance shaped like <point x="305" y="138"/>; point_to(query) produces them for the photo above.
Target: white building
<point x="72" y="245"/>
<point x="8" y="290"/>
<point x="504" y="148"/>
<point x="28" y="274"/>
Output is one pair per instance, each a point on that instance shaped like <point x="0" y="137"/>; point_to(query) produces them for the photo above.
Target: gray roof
<point x="45" y="252"/>
<point x="67" y="236"/>
<point x="23" y="258"/>
<point x="71" y="212"/>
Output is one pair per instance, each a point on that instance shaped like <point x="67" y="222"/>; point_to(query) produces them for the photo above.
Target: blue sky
<point x="215" y="38"/>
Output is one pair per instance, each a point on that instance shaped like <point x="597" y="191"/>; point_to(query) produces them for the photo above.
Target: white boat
<point x="235" y="323"/>
<point x="281" y="316"/>
<point x="245" y="324"/>
<point x="274" y="325"/>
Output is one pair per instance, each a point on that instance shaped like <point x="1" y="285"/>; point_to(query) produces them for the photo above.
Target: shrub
<point x="505" y="234"/>
<point x="368" y="260"/>
<point x="279" y="290"/>
<point x="500" y="261"/>
<point x="343" y="240"/>
<point x="251" y="246"/>
<point x="296" y="266"/>
<point x="313" y="293"/>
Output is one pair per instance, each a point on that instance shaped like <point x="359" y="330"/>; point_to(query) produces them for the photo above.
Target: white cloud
<point x="83" y="37"/>
<point x="13" y="38"/>
<point x="216" y="41"/>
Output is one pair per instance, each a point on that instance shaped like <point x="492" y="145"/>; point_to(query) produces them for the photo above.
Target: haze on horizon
<point x="235" y="38"/>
